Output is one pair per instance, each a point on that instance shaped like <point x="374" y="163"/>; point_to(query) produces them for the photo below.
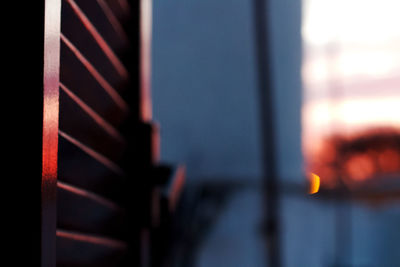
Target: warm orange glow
<point x="315" y="182"/>
<point x="354" y="159"/>
<point x="360" y="167"/>
<point x="351" y="97"/>
<point x="389" y="161"/>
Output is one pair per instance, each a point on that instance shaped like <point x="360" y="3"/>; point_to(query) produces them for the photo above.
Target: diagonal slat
<point x="94" y="154"/>
<point x="99" y="40"/>
<point x="82" y="210"/>
<point x="106" y="22"/>
<point x="111" y="18"/>
<point x="81" y="249"/>
<point x="89" y="195"/>
<point x="120" y="8"/>
<point x="96" y="117"/>
<point x="77" y="78"/>
<point x="115" y="23"/>
<point x="80" y="169"/>
<point x="92" y="239"/>
<point x="99" y="78"/>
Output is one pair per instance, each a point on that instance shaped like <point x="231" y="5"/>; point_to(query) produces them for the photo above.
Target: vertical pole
<point x="51" y="66"/>
<point x="145" y="59"/>
<point x="139" y="29"/>
<point x="145" y="30"/>
<point x="266" y="108"/>
<point x="138" y="132"/>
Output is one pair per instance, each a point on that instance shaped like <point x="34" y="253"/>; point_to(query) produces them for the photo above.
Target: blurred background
<point x="333" y="76"/>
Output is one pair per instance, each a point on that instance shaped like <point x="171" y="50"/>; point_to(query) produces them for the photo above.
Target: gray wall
<point x="204" y="87"/>
<point x="286" y="52"/>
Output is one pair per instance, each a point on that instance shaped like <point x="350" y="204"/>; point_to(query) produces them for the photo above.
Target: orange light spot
<point x="360" y="167"/>
<point x="314" y="183"/>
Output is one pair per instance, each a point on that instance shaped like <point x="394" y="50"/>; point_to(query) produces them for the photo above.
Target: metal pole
<point x="267" y="122"/>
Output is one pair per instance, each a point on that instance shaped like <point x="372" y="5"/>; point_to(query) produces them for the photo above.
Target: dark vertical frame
<point x="51" y="67"/>
<point x="267" y="123"/>
<point x="138" y="131"/>
<point x="30" y="84"/>
<point x="138" y="59"/>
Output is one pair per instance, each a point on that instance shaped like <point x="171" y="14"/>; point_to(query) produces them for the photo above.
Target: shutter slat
<point x="94" y="154"/>
<point x="120" y="8"/>
<point x="78" y="168"/>
<point x="75" y="76"/>
<point x="111" y="91"/>
<point x="84" y="211"/>
<point x="104" y="19"/>
<point x="76" y="249"/>
<point x="110" y="129"/>
<point x="81" y="122"/>
<point x="99" y="40"/>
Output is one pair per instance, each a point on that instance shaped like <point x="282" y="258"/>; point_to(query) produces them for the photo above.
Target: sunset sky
<point x="351" y="67"/>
